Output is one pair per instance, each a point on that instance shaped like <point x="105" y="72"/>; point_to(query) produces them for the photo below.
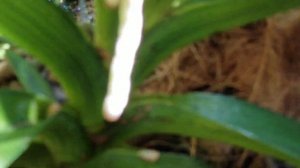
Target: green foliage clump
<point x="75" y="134"/>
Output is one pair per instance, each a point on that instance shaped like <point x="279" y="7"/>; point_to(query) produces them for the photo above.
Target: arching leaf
<point x="18" y="115"/>
<point x="125" y="158"/>
<point x="196" y="20"/>
<point x="29" y="77"/>
<point x="214" y="117"/>
<point x="106" y="26"/>
<point x="50" y="35"/>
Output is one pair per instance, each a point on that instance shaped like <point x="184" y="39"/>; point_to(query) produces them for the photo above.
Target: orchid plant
<point x="101" y="77"/>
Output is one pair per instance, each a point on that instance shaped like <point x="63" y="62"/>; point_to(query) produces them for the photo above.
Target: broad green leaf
<point x="65" y="139"/>
<point x="14" y="144"/>
<point x="214" y="117"/>
<point x="197" y="21"/>
<point x="17" y="110"/>
<point x="18" y="117"/>
<point x="18" y="113"/>
<point x="187" y="5"/>
<point x="50" y="35"/>
<point x="124" y="158"/>
<point x="106" y="26"/>
<point x="29" y="77"/>
<point x="155" y="11"/>
<point x="36" y="156"/>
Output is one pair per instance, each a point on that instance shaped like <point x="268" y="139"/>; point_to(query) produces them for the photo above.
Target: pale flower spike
<point x="122" y="64"/>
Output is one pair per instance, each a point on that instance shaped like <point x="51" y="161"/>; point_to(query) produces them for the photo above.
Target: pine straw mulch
<point x="259" y="63"/>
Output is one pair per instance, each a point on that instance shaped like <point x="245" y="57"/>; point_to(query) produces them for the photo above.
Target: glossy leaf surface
<point x="217" y="118"/>
<point x="50" y="35"/>
<point x="124" y="158"/>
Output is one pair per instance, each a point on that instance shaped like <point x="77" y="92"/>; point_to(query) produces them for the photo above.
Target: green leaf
<point x="155" y="11"/>
<point x="36" y="156"/>
<point x="12" y="148"/>
<point x="124" y="158"/>
<point x="17" y="110"/>
<point x="19" y="124"/>
<point x="197" y="21"/>
<point x="214" y="117"/>
<point x="65" y="139"/>
<point x="106" y="26"/>
<point x="29" y="77"/>
<point x="50" y="35"/>
<point x="18" y="113"/>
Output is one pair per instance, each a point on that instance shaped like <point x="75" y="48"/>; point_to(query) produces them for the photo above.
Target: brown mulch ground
<point x="259" y="63"/>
